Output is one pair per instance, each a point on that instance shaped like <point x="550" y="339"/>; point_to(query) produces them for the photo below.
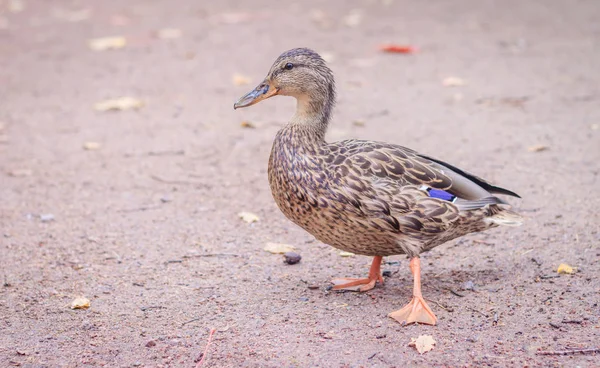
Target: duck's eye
<point x="288" y="66"/>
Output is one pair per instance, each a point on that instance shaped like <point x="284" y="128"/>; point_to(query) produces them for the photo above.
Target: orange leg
<point x="362" y="284"/>
<point x="417" y="310"/>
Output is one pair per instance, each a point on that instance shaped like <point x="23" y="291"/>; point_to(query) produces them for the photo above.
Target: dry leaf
<point x="538" y="148"/>
<point x="123" y="103"/>
<point x="398" y="49"/>
<point x="564" y="268"/>
<point x="354" y="18"/>
<point x="247" y="124"/>
<point x="359" y="123"/>
<point x="19" y="173"/>
<point x="169" y="33"/>
<point x="16" y="6"/>
<point x="346" y="254"/>
<point x="423" y="343"/>
<point x="107" y="43"/>
<point x="278" y="248"/>
<point x="453" y="82"/>
<point x="240" y="80"/>
<point x="249" y="217"/>
<point x="91" y="146"/>
<point x="80" y="303"/>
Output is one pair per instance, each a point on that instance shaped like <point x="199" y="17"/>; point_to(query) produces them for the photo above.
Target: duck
<point x="366" y="197"/>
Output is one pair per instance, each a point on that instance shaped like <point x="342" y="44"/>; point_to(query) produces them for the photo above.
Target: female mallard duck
<point x="371" y="198"/>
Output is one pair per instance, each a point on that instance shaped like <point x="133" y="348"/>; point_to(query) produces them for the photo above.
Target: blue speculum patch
<point x="441" y="194"/>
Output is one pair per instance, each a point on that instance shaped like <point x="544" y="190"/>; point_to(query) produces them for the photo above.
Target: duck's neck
<point x="313" y="112"/>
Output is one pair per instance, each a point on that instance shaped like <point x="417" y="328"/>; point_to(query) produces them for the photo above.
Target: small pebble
<point x="303" y="299"/>
<point x="165" y="199"/>
<point x="386" y="273"/>
<point x="291" y="258"/>
<point x="313" y="287"/>
<point x="469" y="285"/>
<point x="46" y="217"/>
<point x="150" y="344"/>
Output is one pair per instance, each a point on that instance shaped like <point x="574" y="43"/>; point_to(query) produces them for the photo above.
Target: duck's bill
<point x="262" y="92"/>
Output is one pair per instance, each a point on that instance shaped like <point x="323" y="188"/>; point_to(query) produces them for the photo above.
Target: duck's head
<point x="300" y="73"/>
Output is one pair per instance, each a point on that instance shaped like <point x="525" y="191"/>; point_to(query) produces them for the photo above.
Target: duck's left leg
<point x="362" y="284"/>
<point x="417" y="310"/>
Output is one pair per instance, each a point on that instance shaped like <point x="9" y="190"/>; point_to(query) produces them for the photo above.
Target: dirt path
<point x="128" y="225"/>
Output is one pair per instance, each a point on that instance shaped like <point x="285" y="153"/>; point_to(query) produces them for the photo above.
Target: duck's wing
<point x="365" y="166"/>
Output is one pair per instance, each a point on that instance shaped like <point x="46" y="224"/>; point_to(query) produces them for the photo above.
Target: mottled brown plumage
<point x="365" y="197"/>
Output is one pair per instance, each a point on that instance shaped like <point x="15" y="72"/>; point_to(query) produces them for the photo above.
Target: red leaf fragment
<point x="398" y="49"/>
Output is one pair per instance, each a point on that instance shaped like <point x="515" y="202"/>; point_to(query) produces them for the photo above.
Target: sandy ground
<point x="146" y="226"/>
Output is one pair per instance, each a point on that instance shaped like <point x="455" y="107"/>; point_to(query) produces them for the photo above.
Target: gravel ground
<point x="137" y="210"/>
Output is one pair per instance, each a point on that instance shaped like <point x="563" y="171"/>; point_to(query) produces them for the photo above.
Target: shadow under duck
<point x="370" y="198"/>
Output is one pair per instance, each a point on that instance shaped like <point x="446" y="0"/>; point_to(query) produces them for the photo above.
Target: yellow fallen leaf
<point x="453" y="82"/>
<point x="278" y="248"/>
<point x="80" y="303"/>
<point x="346" y="254"/>
<point x="538" y="148"/>
<point x="565" y="269"/>
<point x="169" y="33"/>
<point x="247" y="124"/>
<point x="240" y="80"/>
<point x="123" y="103"/>
<point x="249" y="217"/>
<point x="91" y="146"/>
<point x="107" y="43"/>
<point x="423" y="343"/>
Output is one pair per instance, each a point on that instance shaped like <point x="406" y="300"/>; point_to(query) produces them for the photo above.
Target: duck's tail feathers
<point x="505" y="217"/>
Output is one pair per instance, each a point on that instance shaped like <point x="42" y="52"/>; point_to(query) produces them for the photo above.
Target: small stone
<point x="291" y="258"/>
<point x="303" y="299"/>
<point x="469" y="285"/>
<point x="151" y="344"/>
<point x="313" y="287"/>
<point x="386" y="273"/>
<point x="46" y="217"/>
<point x="165" y="199"/>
